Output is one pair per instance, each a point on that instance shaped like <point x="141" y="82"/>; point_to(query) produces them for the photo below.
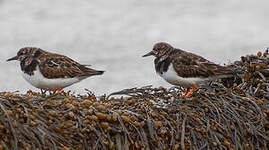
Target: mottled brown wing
<point x="191" y="65"/>
<point x="59" y="66"/>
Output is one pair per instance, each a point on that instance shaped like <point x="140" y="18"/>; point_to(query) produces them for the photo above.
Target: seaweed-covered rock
<point x="231" y="113"/>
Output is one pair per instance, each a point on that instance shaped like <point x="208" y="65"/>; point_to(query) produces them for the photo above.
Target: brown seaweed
<point x="231" y="113"/>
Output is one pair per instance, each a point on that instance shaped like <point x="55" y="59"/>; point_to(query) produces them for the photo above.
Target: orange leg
<point x="59" y="91"/>
<point x="188" y="89"/>
<point x="194" y="88"/>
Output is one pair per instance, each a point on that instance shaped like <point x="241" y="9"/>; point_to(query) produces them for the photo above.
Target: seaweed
<point x="231" y="113"/>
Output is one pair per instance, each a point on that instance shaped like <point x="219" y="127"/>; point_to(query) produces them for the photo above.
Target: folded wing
<point x="60" y="66"/>
<point x="191" y="65"/>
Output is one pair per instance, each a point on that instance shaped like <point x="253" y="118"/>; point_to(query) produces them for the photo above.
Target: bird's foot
<point x="189" y="92"/>
<point x="55" y="92"/>
<point x="59" y="91"/>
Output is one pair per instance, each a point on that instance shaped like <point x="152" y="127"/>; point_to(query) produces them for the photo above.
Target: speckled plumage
<point x="54" y="71"/>
<point x="187" y="64"/>
<point x="183" y="68"/>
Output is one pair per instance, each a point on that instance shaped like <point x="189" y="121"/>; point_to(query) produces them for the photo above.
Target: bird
<point x="186" y="69"/>
<point x="50" y="71"/>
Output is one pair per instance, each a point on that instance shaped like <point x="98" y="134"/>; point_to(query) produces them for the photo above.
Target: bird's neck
<point x="29" y="65"/>
<point x="162" y="64"/>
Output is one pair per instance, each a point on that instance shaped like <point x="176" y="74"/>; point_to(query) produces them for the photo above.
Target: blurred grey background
<point x="113" y="35"/>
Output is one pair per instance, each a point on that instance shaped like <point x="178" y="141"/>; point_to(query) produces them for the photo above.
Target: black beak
<point x="13" y="58"/>
<point x="148" y="54"/>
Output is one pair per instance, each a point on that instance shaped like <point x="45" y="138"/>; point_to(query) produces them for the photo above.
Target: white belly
<point x="39" y="81"/>
<point x="171" y="77"/>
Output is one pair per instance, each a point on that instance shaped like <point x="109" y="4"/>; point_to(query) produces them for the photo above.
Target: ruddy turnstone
<point x="49" y="71"/>
<point x="185" y="69"/>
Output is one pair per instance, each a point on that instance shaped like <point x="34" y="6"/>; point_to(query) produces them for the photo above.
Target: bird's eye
<point x="37" y="53"/>
<point x="21" y="53"/>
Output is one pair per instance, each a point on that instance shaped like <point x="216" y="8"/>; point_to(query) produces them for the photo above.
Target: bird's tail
<point x="239" y="70"/>
<point x="91" y="72"/>
<point x="99" y="72"/>
<point x="234" y="70"/>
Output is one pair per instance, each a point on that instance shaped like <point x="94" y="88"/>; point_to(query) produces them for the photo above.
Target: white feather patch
<point x="39" y="81"/>
<point x="173" y="78"/>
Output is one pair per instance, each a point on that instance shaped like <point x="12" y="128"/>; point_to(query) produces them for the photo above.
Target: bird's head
<point x="26" y="52"/>
<point x="160" y="49"/>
